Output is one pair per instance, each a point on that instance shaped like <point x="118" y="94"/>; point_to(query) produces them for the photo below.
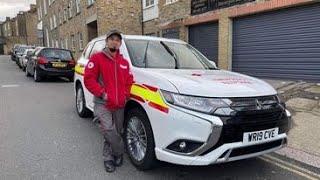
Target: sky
<point x="12" y="7"/>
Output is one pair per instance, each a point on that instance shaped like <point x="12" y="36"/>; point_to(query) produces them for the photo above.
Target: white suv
<point x="184" y="110"/>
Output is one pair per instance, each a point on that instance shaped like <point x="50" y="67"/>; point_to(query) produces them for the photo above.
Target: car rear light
<point x="42" y="60"/>
<point x="72" y="62"/>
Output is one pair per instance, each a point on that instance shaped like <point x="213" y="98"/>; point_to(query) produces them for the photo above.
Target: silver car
<point x="24" y="58"/>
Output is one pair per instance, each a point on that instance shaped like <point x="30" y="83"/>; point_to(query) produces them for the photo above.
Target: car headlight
<point x="205" y="105"/>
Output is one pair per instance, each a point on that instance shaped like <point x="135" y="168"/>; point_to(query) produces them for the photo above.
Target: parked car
<point x="19" y="53"/>
<point x="14" y="50"/>
<point x="48" y="62"/>
<point x="184" y="110"/>
<point x="24" y="58"/>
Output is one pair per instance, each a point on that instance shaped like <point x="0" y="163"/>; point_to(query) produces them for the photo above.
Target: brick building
<point x="255" y="37"/>
<point x="20" y="29"/>
<point x="263" y="38"/>
<point x="71" y="24"/>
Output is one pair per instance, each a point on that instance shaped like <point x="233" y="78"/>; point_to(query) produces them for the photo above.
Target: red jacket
<point x="109" y="75"/>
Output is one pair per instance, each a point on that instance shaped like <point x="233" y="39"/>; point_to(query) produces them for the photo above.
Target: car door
<point x="84" y="60"/>
<point x="33" y="62"/>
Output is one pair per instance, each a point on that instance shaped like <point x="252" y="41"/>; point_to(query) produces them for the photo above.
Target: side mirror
<point x="212" y="63"/>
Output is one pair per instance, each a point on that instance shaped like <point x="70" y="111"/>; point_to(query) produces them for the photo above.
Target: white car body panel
<point x="181" y="123"/>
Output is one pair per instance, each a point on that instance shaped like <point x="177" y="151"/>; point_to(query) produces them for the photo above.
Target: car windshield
<point x="56" y="54"/>
<point x="166" y="55"/>
<point x="22" y="49"/>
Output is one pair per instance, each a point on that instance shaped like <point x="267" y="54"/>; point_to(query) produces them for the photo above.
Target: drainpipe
<point x="142" y="24"/>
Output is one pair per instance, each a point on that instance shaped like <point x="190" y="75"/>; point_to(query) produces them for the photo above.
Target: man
<point x="107" y="76"/>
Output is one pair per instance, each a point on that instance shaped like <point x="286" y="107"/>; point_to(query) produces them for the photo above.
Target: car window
<point x="137" y="52"/>
<point x="98" y="46"/>
<point x="156" y="58"/>
<point x="166" y="55"/>
<point x="56" y="54"/>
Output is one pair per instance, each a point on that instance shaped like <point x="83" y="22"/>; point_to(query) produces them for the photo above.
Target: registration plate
<point x="59" y="65"/>
<point x="260" y="136"/>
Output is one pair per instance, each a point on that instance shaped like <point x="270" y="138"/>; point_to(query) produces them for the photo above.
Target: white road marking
<point x="10" y="85"/>
<point x="290" y="167"/>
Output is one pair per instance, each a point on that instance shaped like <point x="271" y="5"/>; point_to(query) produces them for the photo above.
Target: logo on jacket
<point x="90" y="65"/>
<point x="123" y="67"/>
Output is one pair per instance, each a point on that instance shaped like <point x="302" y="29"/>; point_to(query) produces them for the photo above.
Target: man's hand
<point x="104" y="96"/>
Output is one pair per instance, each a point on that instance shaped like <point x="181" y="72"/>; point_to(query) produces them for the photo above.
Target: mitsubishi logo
<point x="258" y="104"/>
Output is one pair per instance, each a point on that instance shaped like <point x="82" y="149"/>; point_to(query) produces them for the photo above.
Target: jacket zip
<point x="116" y="78"/>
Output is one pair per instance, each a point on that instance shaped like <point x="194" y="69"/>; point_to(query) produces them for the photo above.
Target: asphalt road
<point x="42" y="137"/>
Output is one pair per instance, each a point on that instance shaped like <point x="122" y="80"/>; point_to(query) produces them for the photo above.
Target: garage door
<point x="204" y="37"/>
<point x="283" y="44"/>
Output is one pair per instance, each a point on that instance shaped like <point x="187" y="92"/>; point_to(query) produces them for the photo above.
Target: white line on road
<point x="10" y="85"/>
<point x="290" y="167"/>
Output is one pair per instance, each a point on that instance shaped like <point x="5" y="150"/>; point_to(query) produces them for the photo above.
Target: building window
<point x="78" y="6"/>
<point x="65" y="15"/>
<point x="90" y="2"/>
<point x="45" y="6"/>
<point x="80" y="41"/>
<point x="17" y="29"/>
<point x="70" y="9"/>
<point x="73" y="43"/>
<point x="149" y="3"/>
<point x="170" y="1"/>
<point x="66" y="42"/>
<point x="57" y="44"/>
<point x="59" y="16"/>
<point x="39" y="17"/>
<point x="61" y="43"/>
<point x="54" y="21"/>
<point x="51" y="25"/>
<point x="47" y="37"/>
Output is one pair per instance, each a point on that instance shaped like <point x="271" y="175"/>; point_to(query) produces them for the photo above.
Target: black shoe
<point x="118" y="160"/>
<point x="109" y="166"/>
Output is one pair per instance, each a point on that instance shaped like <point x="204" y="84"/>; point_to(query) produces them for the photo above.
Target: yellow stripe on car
<point x="152" y="96"/>
<point x="79" y="69"/>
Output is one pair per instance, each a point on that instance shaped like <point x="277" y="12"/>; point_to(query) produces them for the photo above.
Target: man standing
<point x="108" y="77"/>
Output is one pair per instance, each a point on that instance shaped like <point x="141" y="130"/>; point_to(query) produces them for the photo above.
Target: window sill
<point x="148" y="7"/>
<point x="166" y="4"/>
<point x="90" y="5"/>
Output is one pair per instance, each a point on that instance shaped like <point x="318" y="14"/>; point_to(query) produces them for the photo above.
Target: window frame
<point x="78" y="6"/>
<point x="149" y="5"/>
<point x="80" y="36"/>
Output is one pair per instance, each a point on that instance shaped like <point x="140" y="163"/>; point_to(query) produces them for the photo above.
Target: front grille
<point x="249" y="121"/>
<point x="255" y="148"/>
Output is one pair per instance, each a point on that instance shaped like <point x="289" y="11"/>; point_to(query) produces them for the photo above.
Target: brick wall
<point x="122" y="15"/>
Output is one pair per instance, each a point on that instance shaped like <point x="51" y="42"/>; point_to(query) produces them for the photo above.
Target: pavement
<point x="42" y="137"/>
<point x="303" y="101"/>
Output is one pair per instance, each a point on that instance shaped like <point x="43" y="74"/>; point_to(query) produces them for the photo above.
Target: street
<point x="42" y="137"/>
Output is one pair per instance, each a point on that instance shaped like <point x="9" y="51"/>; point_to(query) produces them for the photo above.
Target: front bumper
<point x="221" y="137"/>
<point x="224" y="153"/>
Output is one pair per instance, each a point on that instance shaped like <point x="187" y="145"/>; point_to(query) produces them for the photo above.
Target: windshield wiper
<point x="171" y="53"/>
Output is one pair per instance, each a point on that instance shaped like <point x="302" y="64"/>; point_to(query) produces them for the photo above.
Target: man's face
<point x="114" y="42"/>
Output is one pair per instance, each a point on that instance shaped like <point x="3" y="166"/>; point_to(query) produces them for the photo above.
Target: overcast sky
<point x="12" y="7"/>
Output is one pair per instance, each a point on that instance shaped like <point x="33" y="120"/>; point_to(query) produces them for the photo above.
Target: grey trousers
<point x="111" y="127"/>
